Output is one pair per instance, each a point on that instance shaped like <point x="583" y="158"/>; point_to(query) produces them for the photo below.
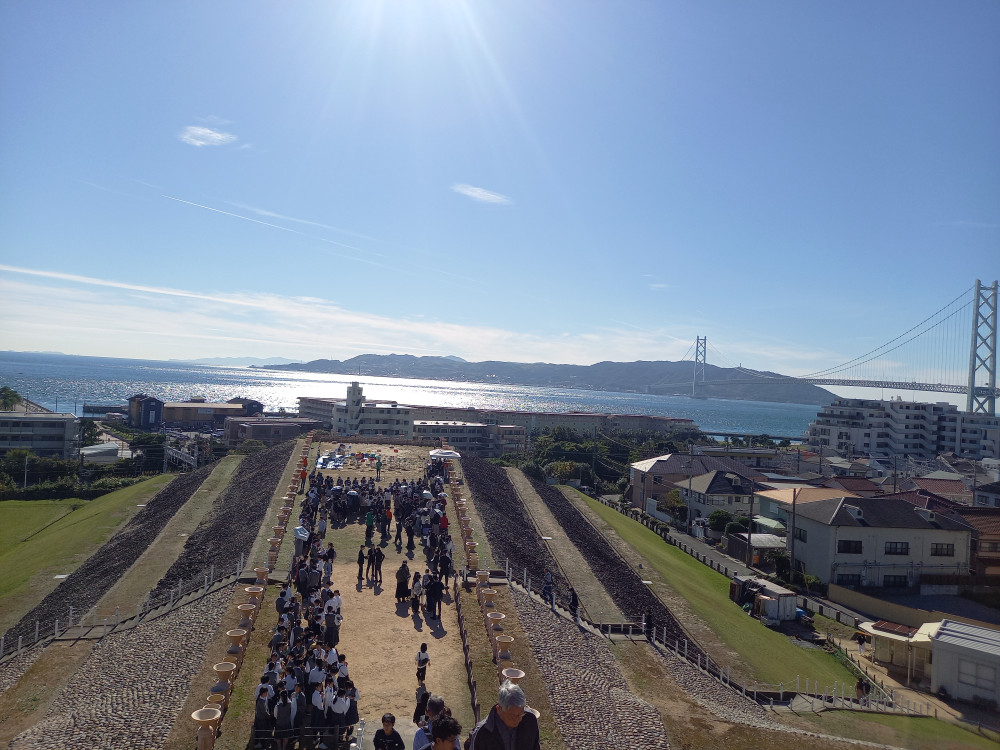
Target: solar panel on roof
<point x="895" y="628"/>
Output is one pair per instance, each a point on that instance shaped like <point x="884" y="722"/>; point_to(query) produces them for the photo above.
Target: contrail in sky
<point x="283" y="229"/>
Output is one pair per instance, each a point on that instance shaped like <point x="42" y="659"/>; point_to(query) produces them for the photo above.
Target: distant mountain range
<point x="664" y="378"/>
<point x="237" y="361"/>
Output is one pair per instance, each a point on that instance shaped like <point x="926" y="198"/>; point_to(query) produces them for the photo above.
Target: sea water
<point x="65" y="383"/>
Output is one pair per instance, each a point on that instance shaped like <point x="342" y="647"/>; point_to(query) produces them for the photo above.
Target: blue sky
<point x="557" y="181"/>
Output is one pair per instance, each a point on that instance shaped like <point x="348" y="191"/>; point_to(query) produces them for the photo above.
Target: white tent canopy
<point x="440" y="453"/>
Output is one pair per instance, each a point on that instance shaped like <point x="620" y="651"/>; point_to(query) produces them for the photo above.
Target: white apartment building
<point x="892" y="428"/>
<point x="356" y="415"/>
<point x="44" y="434"/>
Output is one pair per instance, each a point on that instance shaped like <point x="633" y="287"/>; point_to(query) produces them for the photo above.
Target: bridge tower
<point x="983" y="353"/>
<point x="701" y="347"/>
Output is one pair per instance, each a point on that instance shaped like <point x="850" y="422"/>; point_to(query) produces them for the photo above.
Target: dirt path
<point x="379" y="637"/>
<point x="595" y="600"/>
<point x="161" y="554"/>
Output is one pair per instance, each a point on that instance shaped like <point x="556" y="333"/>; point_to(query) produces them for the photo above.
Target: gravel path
<point x="16" y="667"/>
<point x="128" y="692"/>
<point x="722" y="701"/>
<point x="585" y="685"/>
<point x="596" y="602"/>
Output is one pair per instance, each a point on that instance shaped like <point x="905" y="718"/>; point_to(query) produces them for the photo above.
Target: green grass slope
<point x="770" y="656"/>
<point x="44" y="538"/>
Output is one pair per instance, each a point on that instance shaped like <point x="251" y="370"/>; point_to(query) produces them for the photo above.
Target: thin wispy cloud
<point x="196" y="135"/>
<point x="285" y="217"/>
<point x="359" y="259"/>
<point x="657" y="287"/>
<point x="480" y="194"/>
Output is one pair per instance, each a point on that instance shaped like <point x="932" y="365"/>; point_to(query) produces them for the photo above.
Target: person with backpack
<point x="422" y="659"/>
<point x="416" y="589"/>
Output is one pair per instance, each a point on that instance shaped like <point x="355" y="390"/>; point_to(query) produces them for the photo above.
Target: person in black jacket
<point x="509" y="718"/>
<point x="387" y="738"/>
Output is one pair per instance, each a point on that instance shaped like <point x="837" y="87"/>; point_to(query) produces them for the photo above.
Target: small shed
<point x="967" y="662"/>
<point x="102" y="453"/>
<point x="736" y="545"/>
<point x="903" y="650"/>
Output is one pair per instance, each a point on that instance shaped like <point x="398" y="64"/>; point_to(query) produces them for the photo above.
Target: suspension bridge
<point x="954" y="350"/>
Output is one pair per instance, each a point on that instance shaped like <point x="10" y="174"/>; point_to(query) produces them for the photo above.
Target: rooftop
<point x="969" y="637"/>
<point x="878" y="512"/>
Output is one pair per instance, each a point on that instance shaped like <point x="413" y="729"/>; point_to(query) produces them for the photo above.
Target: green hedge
<point x="65" y="488"/>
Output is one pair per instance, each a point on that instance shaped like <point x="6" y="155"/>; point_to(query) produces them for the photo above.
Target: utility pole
<point x="25" y="472"/>
<point x="791" y="563"/>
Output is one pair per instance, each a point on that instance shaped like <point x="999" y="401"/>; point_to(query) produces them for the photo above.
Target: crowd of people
<point x="306" y="697"/>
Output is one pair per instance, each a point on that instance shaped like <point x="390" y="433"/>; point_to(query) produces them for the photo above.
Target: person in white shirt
<point x="317" y="674"/>
<point x="336" y="602"/>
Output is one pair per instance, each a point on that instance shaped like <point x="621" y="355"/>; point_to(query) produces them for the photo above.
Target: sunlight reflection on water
<point x="68" y="382"/>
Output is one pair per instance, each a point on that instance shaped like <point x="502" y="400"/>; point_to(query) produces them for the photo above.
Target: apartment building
<point x="894" y="428"/>
<point x="587" y="423"/>
<point x="268" y="430"/>
<point x="356" y="415"/>
<point x="473" y="438"/>
<point x="44" y="434"/>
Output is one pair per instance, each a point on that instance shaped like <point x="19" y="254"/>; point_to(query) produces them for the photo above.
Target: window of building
<point x="981" y="676"/>
<point x="849" y="546"/>
<point x="848" y="579"/>
<point x="801" y="535"/>
<point x="895" y="582"/>
<point x="897" y="548"/>
<point x="942" y="550"/>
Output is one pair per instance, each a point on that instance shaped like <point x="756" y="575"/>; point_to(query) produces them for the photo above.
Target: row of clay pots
<point x="465" y="525"/>
<point x="227" y="670"/>
<point x="210" y="717"/>
<point x="493" y="620"/>
<point x="287" y="508"/>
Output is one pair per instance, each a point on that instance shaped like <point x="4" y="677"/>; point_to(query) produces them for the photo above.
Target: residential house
<point x="986" y="554"/>
<point x="988" y="496"/>
<point x="718" y="490"/>
<point x="652" y="478"/>
<point x="952" y="489"/>
<point x="876" y="542"/>
<point x="855" y="485"/>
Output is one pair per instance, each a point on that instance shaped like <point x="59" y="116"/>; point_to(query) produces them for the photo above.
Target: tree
<point x="719" y="519"/>
<point x="9" y="398"/>
<point x="250" y="446"/>
<point x="151" y="445"/>
<point x="533" y="471"/>
<point x="671" y="503"/>
<point x="90" y="432"/>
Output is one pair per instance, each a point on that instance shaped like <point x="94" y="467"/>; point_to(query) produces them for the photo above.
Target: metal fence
<point x="89" y="622"/>
<point x="473" y="692"/>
